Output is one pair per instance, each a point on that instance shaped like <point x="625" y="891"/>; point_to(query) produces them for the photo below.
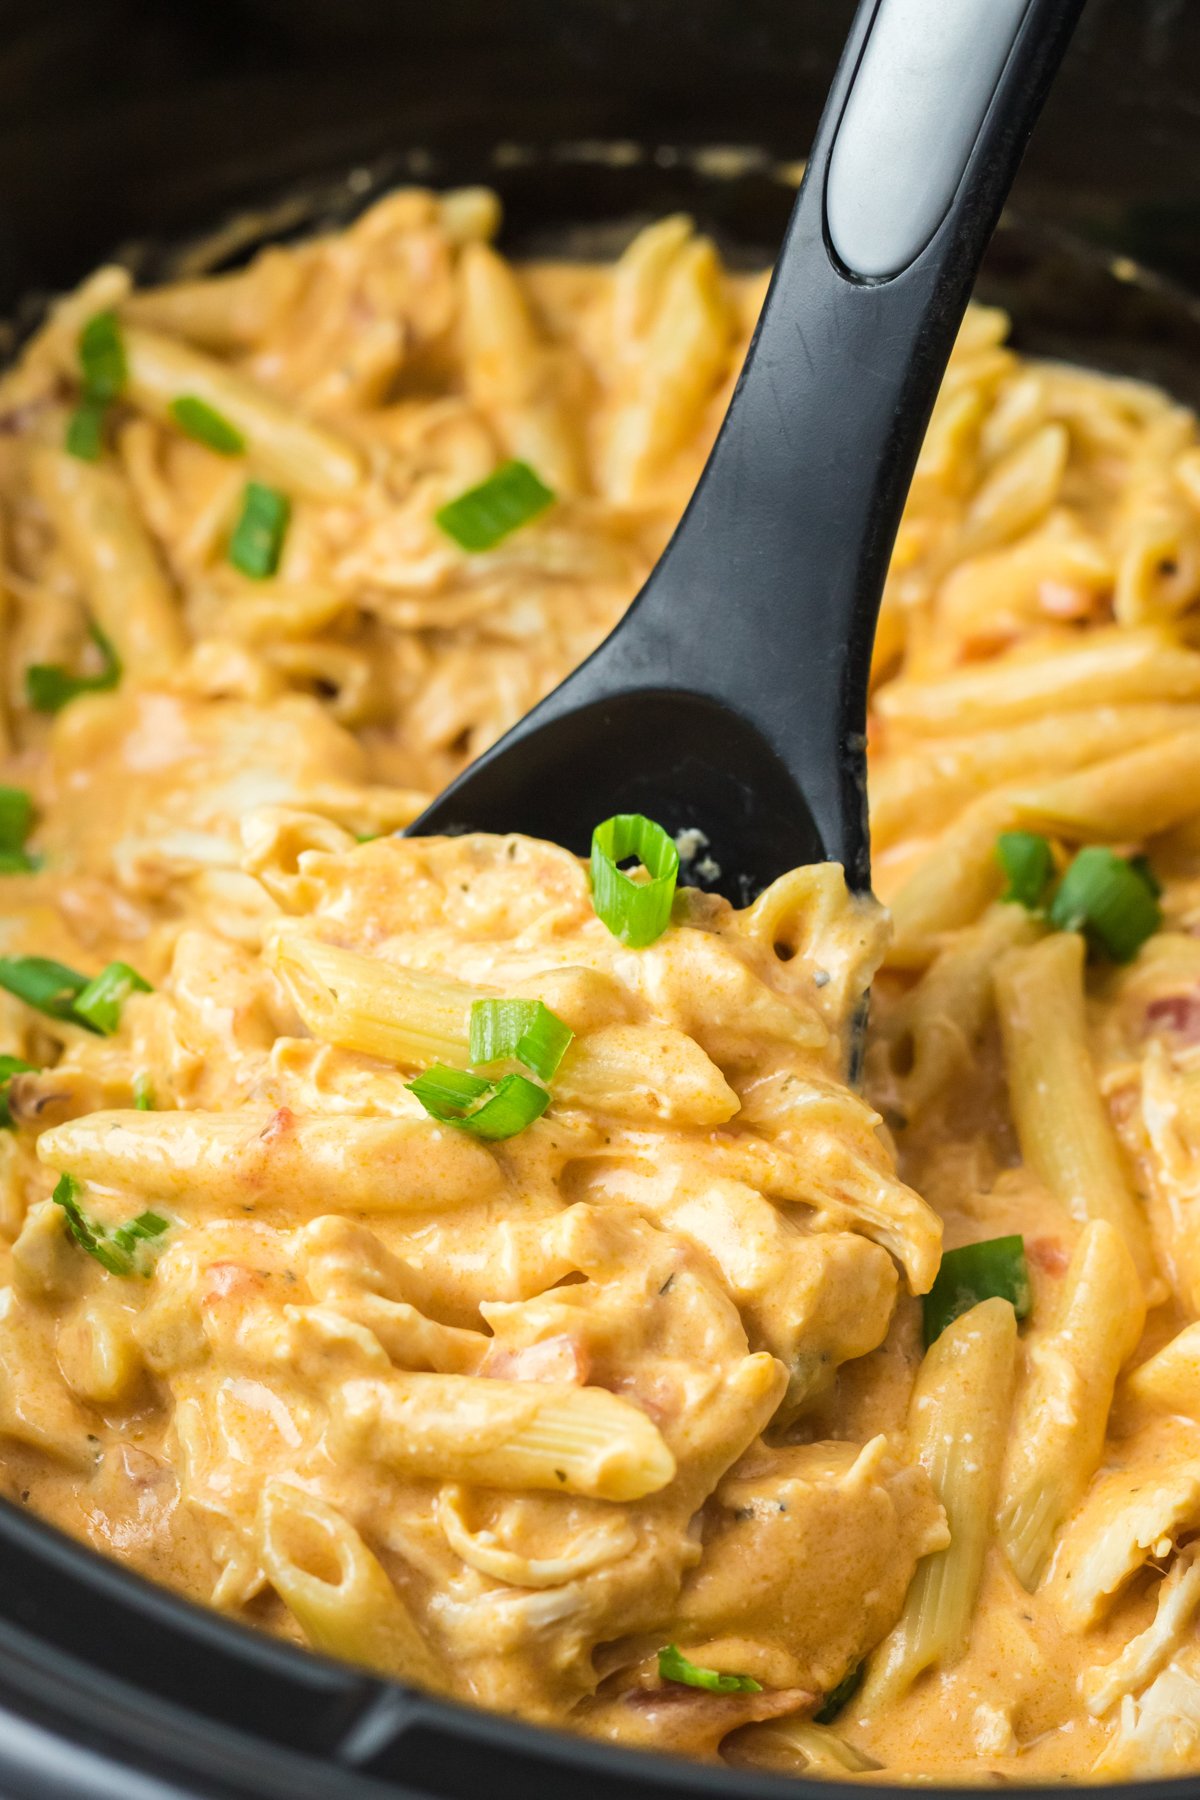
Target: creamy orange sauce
<point x="506" y="1419"/>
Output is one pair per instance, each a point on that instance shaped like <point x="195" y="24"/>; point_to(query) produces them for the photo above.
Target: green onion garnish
<point x="115" y="1250"/>
<point x="16" y="822"/>
<point x="993" y="1269"/>
<point x="1110" y="901"/>
<point x="100" y="1003"/>
<point x="673" y="1665"/>
<point x="839" y="1696"/>
<point x="143" y="1094"/>
<point x="102" y="357"/>
<point x="1141" y="866"/>
<point x="63" y="993"/>
<point x="509" y="498"/>
<point x="51" y="987"/>
<point x="487" y="1109"/>
<point x="636" y="912"/>
<point x="85" y="431"/>
<point x="204" y="423"/>
<point x="48" y="686"/>
<point x="10" y="1066"/>
<point x="1028" y="863"/>
<point x="524" y="1029"/>
<point x="16" y="818"/>
<point x="257" y="541"/>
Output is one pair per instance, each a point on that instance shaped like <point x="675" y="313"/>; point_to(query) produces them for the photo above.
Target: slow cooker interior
<point x="588" y="118"/>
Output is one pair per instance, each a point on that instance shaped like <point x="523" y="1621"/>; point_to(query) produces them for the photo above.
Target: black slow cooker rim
<point x="112" y="1685"/>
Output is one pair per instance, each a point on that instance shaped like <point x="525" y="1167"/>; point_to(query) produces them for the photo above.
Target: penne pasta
<point x="1063" y="1128"/>
<point x="280" y="442"/>
<point x="120" y="576"/>
<point x="934" y="1031"/>
<point x="796" y="1746"/>
<point x="1062" y="1408"/>
<point x="264" y="1159"/>
<point x="413" y="1018"/>
<point x="337" y="1591"/>
<point x="1110" y="667"/>
<point x="959" y="1420"/>
<point x="505" y="1434"/>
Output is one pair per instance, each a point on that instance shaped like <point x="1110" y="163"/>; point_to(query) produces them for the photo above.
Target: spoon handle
<point x="767" y="596"/>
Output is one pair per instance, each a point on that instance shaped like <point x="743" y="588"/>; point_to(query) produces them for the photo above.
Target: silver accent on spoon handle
<point x="919" y="97"/>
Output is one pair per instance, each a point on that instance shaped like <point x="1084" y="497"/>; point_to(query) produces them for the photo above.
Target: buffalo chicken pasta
<point x="476" y="1262"/>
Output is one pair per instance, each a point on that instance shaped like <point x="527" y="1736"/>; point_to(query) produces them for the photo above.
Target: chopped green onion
<point x="452" y="1090"/>
<point x="63" y="993"/>
<point x="102" y="357"/>
<point x="16" y="822"/>
<point x="143" y="1094"/>
<point x="636" y="912"/>
<point x="492" y="1110"/>
<point x="524" y="1029"/>
<point x="204" y="423"/>
<point x="673" y="1665"/>
<point x="85" y="431"/>
<point x="142" y="1230"/>
<point x="16" y="818"/>
<point x="839" y="1696"/>
<point x="49" y="986"/>
<point x="99" y="1005"/>
<point x="257" y="541"/>
<point x="10" y="1066"/>
<point x="1141" y="866"/>
<point x="49" y="686"/>
<point x="484" y="515"/>
<point x="993" y="1269"/>
<point x="87" y="1234"/>
<point x="115" y="1250"/>
<point x="1028" y="863"/>
<point x="1110" y="901"/>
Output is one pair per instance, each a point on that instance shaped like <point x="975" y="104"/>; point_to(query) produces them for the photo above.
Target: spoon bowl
<point x="731" y="699"/>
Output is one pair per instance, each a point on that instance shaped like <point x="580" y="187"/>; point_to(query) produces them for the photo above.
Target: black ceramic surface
<point x="124" y="122"/>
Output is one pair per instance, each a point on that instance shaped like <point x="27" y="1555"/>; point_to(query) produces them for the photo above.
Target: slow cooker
<point x="185" y="134"/>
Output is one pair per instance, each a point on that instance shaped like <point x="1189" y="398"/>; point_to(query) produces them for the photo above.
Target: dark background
<point x="120" y="118"/>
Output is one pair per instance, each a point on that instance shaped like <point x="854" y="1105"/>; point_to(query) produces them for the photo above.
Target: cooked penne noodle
<point x="358" y="1613"/>
<point x="1110" y="667"/>
<point x="959" y="1420"/>
<point x="922" y="789"/>
<point x="1129" y="796"/>
<point x="121" y="579"/>
<point x="413" y="1018"/>
<point x="1064" y="1130"/>
<point x="280" y="442"/>
<point x="509" y="371"/>
<point x="505" y="1434"/>
<point x="953" y="883"/>
<point x="1063" y="1405"/>
<point x="264" y="1159"/>
<point x="789" y="1746"/>
<point x="934" y="1030"/>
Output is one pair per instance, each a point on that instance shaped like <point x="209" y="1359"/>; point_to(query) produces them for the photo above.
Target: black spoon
<point x="732" y="696"/>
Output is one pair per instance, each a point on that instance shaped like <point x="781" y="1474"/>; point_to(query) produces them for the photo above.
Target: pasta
<point x="394" y="1258"/>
